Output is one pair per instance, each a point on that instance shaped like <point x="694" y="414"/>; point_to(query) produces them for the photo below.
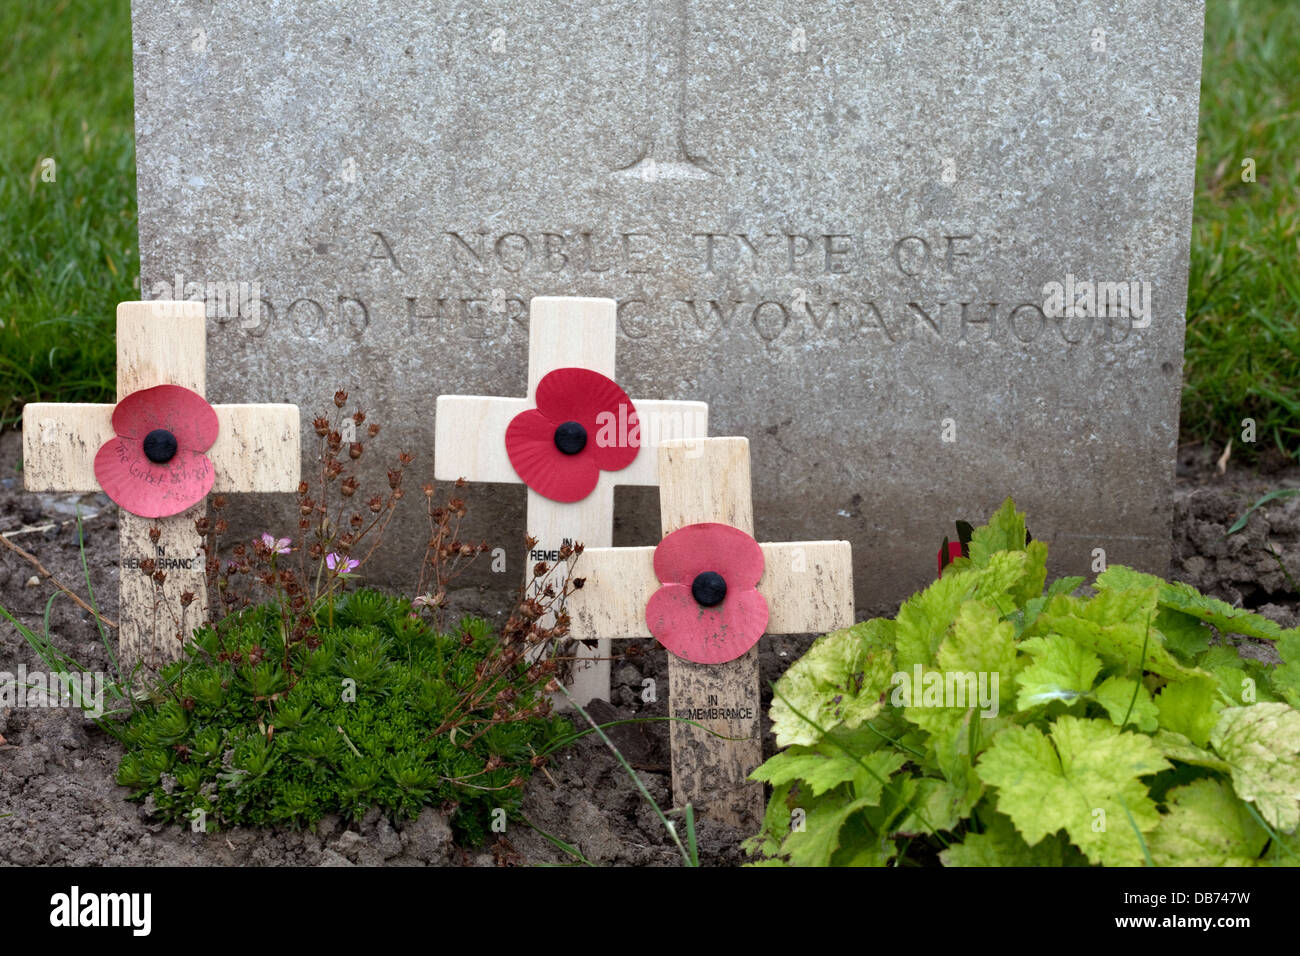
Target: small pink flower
<point x="276" y="545"/>
<point x="341" y="565"/>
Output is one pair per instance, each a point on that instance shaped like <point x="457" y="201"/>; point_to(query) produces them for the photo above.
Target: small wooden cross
<point x="808" y="587"/>
<point x="160" y="343"/>
<point x="469" y="443"/>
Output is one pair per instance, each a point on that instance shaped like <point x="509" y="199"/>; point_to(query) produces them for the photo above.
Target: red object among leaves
<point x="954" y="552"/>
<point x="177" y="421"/>
<point x="950" y="551"/>
<point x="678" y="621"/>
<point x="610" y="429"/>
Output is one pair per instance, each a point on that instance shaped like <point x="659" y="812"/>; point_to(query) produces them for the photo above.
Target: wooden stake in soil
<point x="470" y="433"/>
<point x="807" y="587"/>
<point x="160" y="343"/>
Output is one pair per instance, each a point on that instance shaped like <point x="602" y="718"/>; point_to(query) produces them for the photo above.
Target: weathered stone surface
<point x="833" y="223"/>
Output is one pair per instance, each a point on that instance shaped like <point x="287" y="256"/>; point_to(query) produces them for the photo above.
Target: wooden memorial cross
<point x="256" y="449"/>
<point x="807" y="587"/>
<point x="470" y="432"/>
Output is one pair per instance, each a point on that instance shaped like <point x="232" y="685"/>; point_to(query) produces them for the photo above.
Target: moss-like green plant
<point x="377" y="709"/>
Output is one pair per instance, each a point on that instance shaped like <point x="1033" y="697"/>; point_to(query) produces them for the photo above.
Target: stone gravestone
<point x="923" y="256"/>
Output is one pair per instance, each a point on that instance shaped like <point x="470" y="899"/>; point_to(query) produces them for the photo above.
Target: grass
<point x="69" y="248"/>
<point x="1243" y="303"/>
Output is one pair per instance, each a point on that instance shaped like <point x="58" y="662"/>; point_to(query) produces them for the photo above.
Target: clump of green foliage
<point x="305" y="695"/>
<point x="1118" y="732"/>
<point x="375" y="708"/>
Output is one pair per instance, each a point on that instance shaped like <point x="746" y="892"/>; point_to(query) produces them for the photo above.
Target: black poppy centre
<point x="160" y="446"/>
<point x="708" y="588"/>
<point x="570" y="438"/>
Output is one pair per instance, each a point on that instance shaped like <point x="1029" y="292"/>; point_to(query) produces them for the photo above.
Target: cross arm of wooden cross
<point x="807" y="585"/>
<point x="256" y="447"/>
<point x="469" y="441"/>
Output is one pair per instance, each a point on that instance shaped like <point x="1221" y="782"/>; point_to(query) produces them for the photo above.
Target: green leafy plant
<point x="377" y="708"/>
<point x="1000" y="721"/>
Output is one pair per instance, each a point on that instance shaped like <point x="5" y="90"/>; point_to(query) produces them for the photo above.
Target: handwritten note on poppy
<point x="166" y="420"/>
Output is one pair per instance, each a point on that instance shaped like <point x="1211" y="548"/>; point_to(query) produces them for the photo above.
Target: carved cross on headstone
<point x="256" y="449"/>
<point x="663" y="153"/>
<point x="470" y="432"/>
<point x="807" y="587"/>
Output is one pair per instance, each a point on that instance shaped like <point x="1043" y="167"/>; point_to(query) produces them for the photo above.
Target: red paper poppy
<point x="156" y="466"/>
<point x="949" y="553"/>
<point x="708" y="610"/>
<point x="583" y="424"/>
